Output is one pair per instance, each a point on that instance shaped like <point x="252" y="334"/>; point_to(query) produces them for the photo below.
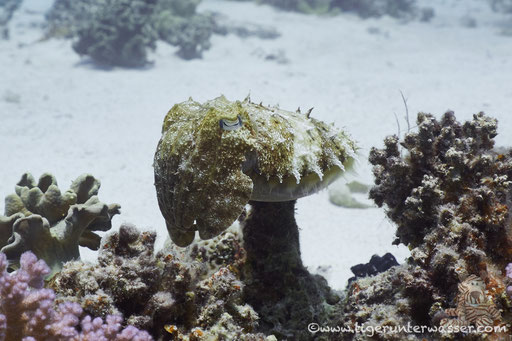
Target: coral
<point x="400" y="9"/>
<point x="192" y="293"/>
<point x="233" y="153"/>
<point x="342" y="194"/>
<point x="448" y="191"/>
<point x="508" y="271"/>
<point x="397" y="297"/>
<point x="226" y="25"/>
<point x="7" y="9"/>
<point x="181" y="8"/>
<point x="503" y="6"/>
<point x="28" y="312"/>
<point x="178" y="24"/>
<point x="303" y="6"/>
<point x="51" y="224"/>
<point x="221" y="251"/>
<point x="227" y="153"/>
<point x="66" y="17"/>
<point x="119" y="33"/>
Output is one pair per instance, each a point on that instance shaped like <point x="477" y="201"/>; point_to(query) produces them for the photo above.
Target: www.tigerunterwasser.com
<point x="408" y="329"/>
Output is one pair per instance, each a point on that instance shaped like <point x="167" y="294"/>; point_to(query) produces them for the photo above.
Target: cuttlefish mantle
<point x="216" y="156"/>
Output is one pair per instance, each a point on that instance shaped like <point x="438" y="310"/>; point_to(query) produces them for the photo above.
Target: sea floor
<point x="60" y="113"/>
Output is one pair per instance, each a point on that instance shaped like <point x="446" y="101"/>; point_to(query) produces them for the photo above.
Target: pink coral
<point x="508" y="270"/>
<point x="28" y="313"/>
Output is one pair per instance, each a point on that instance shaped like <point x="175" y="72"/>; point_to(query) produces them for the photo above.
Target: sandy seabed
<point x="61" y="114"/>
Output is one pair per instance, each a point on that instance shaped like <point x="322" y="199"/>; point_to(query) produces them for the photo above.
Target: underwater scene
<point x="255" y="170"/>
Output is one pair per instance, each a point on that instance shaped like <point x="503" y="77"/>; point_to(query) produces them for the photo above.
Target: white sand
<point x="62" y="115"/>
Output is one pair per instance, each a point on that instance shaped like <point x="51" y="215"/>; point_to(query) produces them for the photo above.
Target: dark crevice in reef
<point x="278" y="286"/>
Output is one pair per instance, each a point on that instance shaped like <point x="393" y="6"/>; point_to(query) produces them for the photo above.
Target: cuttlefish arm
<point x="199" y="178"/>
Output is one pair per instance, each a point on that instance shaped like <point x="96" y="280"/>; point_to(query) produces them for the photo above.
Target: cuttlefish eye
<point x="226" y="124"/>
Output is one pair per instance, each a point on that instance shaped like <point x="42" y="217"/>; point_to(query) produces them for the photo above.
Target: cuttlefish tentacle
<point x="215" y="157"/>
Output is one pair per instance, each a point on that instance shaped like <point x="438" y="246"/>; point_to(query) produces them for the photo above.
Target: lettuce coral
<point x="28" y="312"/>
<point x="51" y="224"/>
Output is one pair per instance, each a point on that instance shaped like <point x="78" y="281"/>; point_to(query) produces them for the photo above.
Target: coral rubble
<point x="51" y="224"/>
<point x="28" y="311"/>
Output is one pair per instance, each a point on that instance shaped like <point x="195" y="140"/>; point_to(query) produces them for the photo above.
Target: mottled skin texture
<point x="205" y="175"/>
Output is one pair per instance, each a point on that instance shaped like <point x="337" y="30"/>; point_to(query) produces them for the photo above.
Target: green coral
<point x="51" y="224"/>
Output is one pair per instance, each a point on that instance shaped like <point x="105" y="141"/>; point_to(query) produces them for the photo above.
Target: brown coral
<point x="178" y="294"/>
<point x="449" y="195"/>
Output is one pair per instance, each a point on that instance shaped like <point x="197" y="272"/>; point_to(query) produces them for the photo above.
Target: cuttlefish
<point x="213" y="158"/>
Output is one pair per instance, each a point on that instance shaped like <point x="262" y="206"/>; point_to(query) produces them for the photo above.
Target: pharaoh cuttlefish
<point x="216" y="156"/>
